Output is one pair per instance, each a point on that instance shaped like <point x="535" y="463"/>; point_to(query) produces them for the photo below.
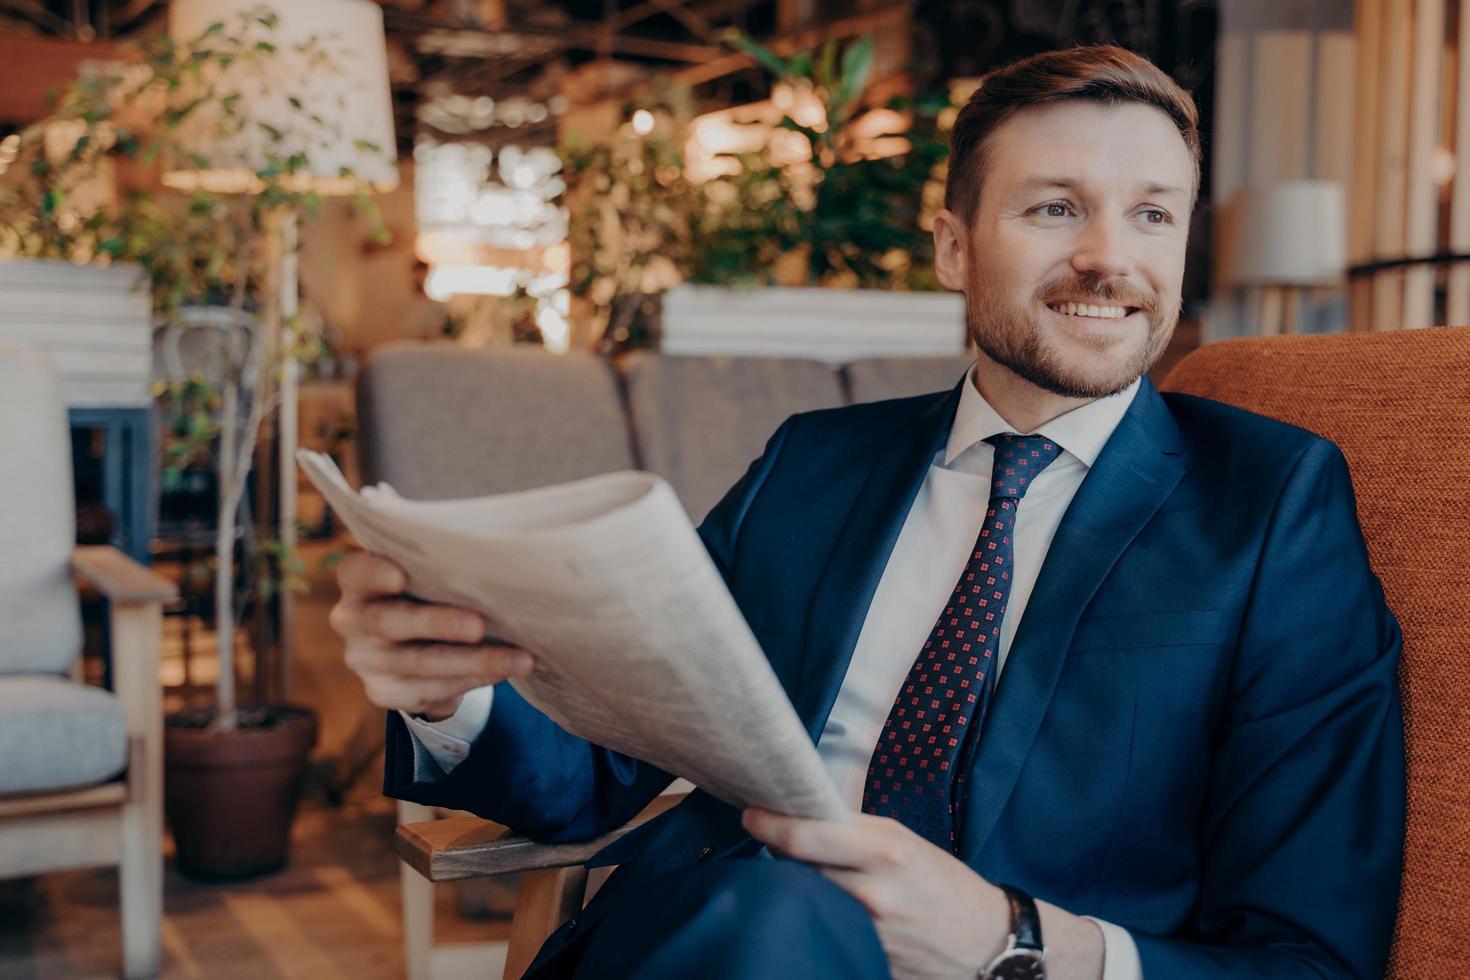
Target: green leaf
<point x="295" y="102"/>
<point x="759" y="54"/>
<point x="857" y="65"/>
<point x="826" y="63"/>
<point x="366" y="146"/>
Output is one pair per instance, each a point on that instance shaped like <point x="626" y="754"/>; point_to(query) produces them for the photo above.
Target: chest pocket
<point x="1198" y="628"/>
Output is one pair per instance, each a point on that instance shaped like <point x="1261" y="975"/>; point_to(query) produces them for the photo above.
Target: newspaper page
<point x="639" y="646"/>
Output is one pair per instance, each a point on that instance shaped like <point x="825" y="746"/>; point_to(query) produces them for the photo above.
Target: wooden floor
<point x="332" y="914"/>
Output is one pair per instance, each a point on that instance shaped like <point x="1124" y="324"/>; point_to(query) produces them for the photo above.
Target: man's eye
<point x="1156" y="217"/>
<point x="1056" y="209"/>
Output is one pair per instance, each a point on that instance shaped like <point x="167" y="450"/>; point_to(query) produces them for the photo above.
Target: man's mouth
<point x="1097" y="311"/>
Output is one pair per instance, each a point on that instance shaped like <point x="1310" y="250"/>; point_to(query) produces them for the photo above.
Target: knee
<point x="738" y="919"/>
<point x="786" y="905"/>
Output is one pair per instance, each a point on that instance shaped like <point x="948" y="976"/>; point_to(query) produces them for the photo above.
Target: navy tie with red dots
<point x="915" y="775"/>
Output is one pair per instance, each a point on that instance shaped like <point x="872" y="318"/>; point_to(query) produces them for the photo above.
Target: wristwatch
<point x="1024" y="953"/>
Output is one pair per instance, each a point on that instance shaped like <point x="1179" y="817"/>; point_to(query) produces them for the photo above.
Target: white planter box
<point x="833" y="325"/>
<point x="95" y="322"/>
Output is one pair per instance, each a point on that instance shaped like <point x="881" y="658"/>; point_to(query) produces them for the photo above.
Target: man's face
<point x="1074" y="258"/>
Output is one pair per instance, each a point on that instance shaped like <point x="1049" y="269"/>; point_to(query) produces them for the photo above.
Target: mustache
<point x="1093" y="289"/>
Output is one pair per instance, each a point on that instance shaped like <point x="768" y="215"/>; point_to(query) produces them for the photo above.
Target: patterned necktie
<point x="911" y="777"/>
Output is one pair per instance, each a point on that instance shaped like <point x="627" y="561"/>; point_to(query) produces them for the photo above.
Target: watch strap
<point x="1025" y="919"/>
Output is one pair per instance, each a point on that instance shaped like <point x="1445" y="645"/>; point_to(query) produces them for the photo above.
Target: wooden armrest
<point x="468" y="847"/>
<point x="120" y="578"/>
<point x="135" y="596"/>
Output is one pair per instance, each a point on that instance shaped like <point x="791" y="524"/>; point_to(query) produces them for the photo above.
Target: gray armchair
<point x="82" y="781"/>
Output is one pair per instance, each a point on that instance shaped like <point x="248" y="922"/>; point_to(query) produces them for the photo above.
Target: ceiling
<point x="503" y="49"/>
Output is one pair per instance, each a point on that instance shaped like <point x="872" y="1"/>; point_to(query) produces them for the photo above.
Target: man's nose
<point x="1102" y="249"/>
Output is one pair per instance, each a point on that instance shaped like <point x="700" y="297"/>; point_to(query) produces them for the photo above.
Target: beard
<point x="1015" y="338"/>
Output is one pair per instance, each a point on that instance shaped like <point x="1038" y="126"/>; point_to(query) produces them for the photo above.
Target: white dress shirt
<point x="927" y="560"/>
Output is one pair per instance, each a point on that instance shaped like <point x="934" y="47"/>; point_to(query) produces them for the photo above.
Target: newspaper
<point x="639" y="647"/>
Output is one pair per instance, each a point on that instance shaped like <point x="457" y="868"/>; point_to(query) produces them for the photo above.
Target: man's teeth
<point x="1087" y="309"/>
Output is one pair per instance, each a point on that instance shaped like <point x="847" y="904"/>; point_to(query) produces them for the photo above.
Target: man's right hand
<point x="413" y="656"/>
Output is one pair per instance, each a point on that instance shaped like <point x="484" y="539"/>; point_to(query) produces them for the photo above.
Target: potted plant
<point x="233" y="772"/>
<point x="828" y="218"/>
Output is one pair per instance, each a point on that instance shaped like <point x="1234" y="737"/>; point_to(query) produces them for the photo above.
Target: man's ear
<point x="950" y="250"/>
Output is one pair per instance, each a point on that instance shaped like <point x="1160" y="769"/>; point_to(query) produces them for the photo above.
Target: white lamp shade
<point x="1287" y="234"/>
<point x="350" y="95"/>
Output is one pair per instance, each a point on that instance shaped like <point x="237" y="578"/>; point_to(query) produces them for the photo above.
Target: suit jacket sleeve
<point x="527" y="772"/>
<point x="1305" y="812"/>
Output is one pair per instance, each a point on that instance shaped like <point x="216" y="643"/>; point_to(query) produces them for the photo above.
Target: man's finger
<point x="366" y="576"/>
<point x="857" y="844"/>
<point x="417" y="694"/>
<point x="440" y="660"/>
<point x="402" y="621"/>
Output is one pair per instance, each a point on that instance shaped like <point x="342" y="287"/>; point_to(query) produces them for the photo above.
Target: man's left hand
<point x="935" y="916"/>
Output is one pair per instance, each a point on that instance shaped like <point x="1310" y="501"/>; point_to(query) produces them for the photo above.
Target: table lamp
<point x="1283" y="238"/>
<point x="350" y="97"/>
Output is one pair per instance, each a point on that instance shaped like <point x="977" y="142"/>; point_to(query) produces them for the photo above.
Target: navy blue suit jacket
<point x="1197" y="735"/>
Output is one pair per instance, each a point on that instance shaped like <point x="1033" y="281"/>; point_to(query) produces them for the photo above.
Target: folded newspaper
<point x="639" y="646"/>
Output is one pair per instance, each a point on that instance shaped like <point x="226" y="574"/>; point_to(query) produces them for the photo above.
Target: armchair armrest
<point x="119" y="578"/>
<point x="468" y="847"/>
<point x="553" y="882"/>
<point x="135" y="597"/>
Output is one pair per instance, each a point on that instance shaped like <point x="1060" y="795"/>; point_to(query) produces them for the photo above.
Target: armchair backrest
<point x="438" y="421"/>
<point x="699" y="421"/>
<point x="40" y="625"/>
<point x="876" y="378"/>
<point x="1398" y="404"/>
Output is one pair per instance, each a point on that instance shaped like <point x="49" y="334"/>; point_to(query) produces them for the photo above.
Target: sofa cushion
<point x="877" y="378"/>
<point x="58" y="734"/>
<point x="42" y="629"/>
<point x="439" y="421"/>
<point x="699" y="421"/>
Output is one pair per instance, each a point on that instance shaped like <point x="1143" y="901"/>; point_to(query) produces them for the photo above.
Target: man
<point x="1193" y="762"/>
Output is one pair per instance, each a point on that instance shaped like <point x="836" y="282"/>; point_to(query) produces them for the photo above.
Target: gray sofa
<point x="438" y="421"/>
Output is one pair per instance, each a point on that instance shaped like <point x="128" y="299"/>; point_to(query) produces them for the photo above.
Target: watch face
<point x="1019" y="964"/>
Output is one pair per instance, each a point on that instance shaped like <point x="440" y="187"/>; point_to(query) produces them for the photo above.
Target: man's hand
<point x="935" y="916"/>
<point x="413" y="656"/>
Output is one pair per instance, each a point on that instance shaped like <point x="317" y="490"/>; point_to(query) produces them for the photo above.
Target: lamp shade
<point x="347" y="91"/>
<point x="1287" y="234"/>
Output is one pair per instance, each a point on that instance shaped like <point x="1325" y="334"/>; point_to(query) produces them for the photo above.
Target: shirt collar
<point x="1082" y="432"/>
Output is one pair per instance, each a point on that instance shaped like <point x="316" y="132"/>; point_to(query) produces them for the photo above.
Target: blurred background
<point x="479" y="238"/>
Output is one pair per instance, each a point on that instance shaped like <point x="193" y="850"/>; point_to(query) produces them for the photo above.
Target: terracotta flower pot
<point x="230" y="796"/>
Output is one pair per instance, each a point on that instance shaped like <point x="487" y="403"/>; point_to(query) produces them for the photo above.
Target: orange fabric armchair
<point x="1398" y="404"/>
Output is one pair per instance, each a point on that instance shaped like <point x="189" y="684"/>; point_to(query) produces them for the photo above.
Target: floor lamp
<point x="352" y="92"/>
<point x="1283" y="239"/>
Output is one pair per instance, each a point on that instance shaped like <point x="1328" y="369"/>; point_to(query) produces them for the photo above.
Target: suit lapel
<point x="1136" y="471"/>
<point x="840" y="603"/>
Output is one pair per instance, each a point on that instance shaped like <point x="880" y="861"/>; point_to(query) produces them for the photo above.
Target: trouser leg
<point x="736" y="919"/>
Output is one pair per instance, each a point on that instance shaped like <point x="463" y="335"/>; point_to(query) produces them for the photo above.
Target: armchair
<point x="83" y="774"/>
<point x="1396" y="405"/>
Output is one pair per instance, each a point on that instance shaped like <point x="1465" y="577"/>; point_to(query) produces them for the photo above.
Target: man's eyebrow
<point x="1041" y="182"/>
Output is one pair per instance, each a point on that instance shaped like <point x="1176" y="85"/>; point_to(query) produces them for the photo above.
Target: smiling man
<point x="1103" y="673"/>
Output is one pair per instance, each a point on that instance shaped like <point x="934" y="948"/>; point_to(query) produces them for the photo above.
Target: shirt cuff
<point x="448" y="741"/>
<point x="1120" y="952"/>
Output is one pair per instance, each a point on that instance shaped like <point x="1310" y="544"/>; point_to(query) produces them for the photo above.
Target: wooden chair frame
<point x="554" y="882"/>
<point x="119" y="822"/>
